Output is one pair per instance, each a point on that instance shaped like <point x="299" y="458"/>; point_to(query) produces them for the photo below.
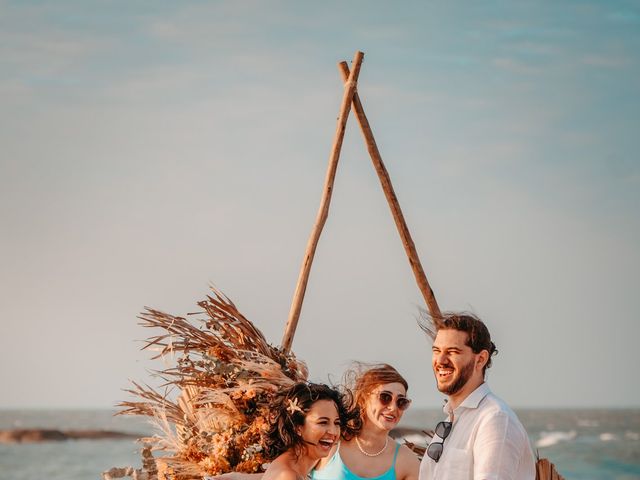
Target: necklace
<point x="386" y="442"/>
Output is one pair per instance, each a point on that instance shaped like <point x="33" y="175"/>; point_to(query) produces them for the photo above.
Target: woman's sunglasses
<point x="386" y="398"/>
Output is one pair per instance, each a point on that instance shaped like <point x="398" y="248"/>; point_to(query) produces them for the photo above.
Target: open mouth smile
<point x="388" y="417"/>
<point x="444" y="372"/>
<point x="326" y="443"/>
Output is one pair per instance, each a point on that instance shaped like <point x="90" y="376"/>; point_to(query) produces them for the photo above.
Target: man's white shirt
<point x="487" y="442"/>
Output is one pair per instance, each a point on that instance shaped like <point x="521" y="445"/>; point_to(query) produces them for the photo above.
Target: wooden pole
<point x="545" y="470"/>
<point x="387" y="187"/>
<point x="323" y="212"/>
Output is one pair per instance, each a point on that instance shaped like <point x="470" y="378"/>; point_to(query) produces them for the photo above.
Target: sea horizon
<point x="413" y="407"/>
<point x="583" y="443"/>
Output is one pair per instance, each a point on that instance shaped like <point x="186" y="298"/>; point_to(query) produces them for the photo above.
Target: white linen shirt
<point x="486" y="442"/>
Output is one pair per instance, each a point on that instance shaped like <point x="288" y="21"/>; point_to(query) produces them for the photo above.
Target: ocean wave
<point x="585" y="422"/>
<point x="551" y="438"/>
<point x="631" y="435"/>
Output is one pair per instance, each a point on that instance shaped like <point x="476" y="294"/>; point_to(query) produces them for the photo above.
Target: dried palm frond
<point x="227" y="374"/>
<point x="168" y="439"/>
<point x="154" y="401"/>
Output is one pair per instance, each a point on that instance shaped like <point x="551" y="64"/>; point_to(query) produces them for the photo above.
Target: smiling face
<point x="385" y="417"/>
<point x="321" y="428"/>
<point x="457" y="369"/>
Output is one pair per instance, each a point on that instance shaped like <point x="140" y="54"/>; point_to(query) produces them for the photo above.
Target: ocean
<point x="601" y="444"/>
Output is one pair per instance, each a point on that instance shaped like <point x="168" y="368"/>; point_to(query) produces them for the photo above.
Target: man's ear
<point x="482" y="359"/>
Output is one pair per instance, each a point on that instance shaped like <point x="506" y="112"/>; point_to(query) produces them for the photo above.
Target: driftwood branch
<point x="323" y="212"/>
<point x="394" y="205"/>
<point x="545" y="470"/>
<point x="149" y="471"/>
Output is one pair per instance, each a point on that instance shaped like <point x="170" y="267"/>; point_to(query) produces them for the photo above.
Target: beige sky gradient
<point x="149" y="151"/>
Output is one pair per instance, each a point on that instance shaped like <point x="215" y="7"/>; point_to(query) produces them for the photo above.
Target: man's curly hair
<point x="478" y="339"/>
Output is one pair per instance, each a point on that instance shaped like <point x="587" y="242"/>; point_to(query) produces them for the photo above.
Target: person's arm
<point x="283" y="474"/>
<point x="498" y="448"/>
<point x="407" y="464"/>
<point x="235" y="476"/>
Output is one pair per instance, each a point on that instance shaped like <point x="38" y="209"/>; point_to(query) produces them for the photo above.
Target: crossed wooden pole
<point x="351" y="98"/>
<point x="545" y="470"/>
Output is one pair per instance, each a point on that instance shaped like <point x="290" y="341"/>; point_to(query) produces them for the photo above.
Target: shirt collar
<point x="475" y="397"/>
<point x="472" y="400"/>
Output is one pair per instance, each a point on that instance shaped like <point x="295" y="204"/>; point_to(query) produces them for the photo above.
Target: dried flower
<point x="228" y="376"/>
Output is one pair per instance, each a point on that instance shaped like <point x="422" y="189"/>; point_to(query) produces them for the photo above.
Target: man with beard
<point x="482" y="438"/>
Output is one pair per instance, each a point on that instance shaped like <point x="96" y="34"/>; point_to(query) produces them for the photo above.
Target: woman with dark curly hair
<point x="306" y="425"/>
<point x="366" y="450"/>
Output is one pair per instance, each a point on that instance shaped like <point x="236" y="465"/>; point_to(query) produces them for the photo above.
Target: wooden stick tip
<point x="358" y="57"/>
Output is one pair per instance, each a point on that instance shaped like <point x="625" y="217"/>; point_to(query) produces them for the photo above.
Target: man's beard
<point x="461" y="381"/>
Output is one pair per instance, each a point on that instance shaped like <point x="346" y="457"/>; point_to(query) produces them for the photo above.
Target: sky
<point x="151" y="149"/>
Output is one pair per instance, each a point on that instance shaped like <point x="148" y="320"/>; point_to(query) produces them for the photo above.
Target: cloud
<point x="518" y="67"/>
<point x="626" y="17"/>
<point x="605" y="61"/>
<point x="390" y="33"/>
<point x="47" y="51"/>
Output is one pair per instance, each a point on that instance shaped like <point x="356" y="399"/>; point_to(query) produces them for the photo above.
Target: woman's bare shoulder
<point x="280" y="473"/>
<point x="235" y="476"/>
<point x="408" y="464"/>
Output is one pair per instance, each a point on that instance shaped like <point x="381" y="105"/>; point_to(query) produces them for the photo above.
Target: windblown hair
<point x="289" y="412"/>
<point x="363" y="379"/>
<point x="478" y="336"/>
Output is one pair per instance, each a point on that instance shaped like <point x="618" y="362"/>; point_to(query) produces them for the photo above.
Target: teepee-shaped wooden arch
<point x="545" y="470"/>
<point x="229" y="343"/>
<point x="351" y="99"/>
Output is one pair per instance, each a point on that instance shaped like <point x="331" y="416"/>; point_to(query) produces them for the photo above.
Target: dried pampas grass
<point x="226" y="374"/>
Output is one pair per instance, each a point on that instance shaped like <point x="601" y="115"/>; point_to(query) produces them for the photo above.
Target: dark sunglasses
<point x="434" y="450"/>
<point x="401" y="402"/>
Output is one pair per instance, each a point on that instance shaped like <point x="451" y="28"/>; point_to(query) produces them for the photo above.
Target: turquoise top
<point x="337" y="470"/>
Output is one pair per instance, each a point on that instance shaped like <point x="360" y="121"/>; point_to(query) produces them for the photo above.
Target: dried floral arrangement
<point x="227" y="375"/>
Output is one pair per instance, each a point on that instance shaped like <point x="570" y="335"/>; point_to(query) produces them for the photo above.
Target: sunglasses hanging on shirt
<point x="434" y="450"/>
